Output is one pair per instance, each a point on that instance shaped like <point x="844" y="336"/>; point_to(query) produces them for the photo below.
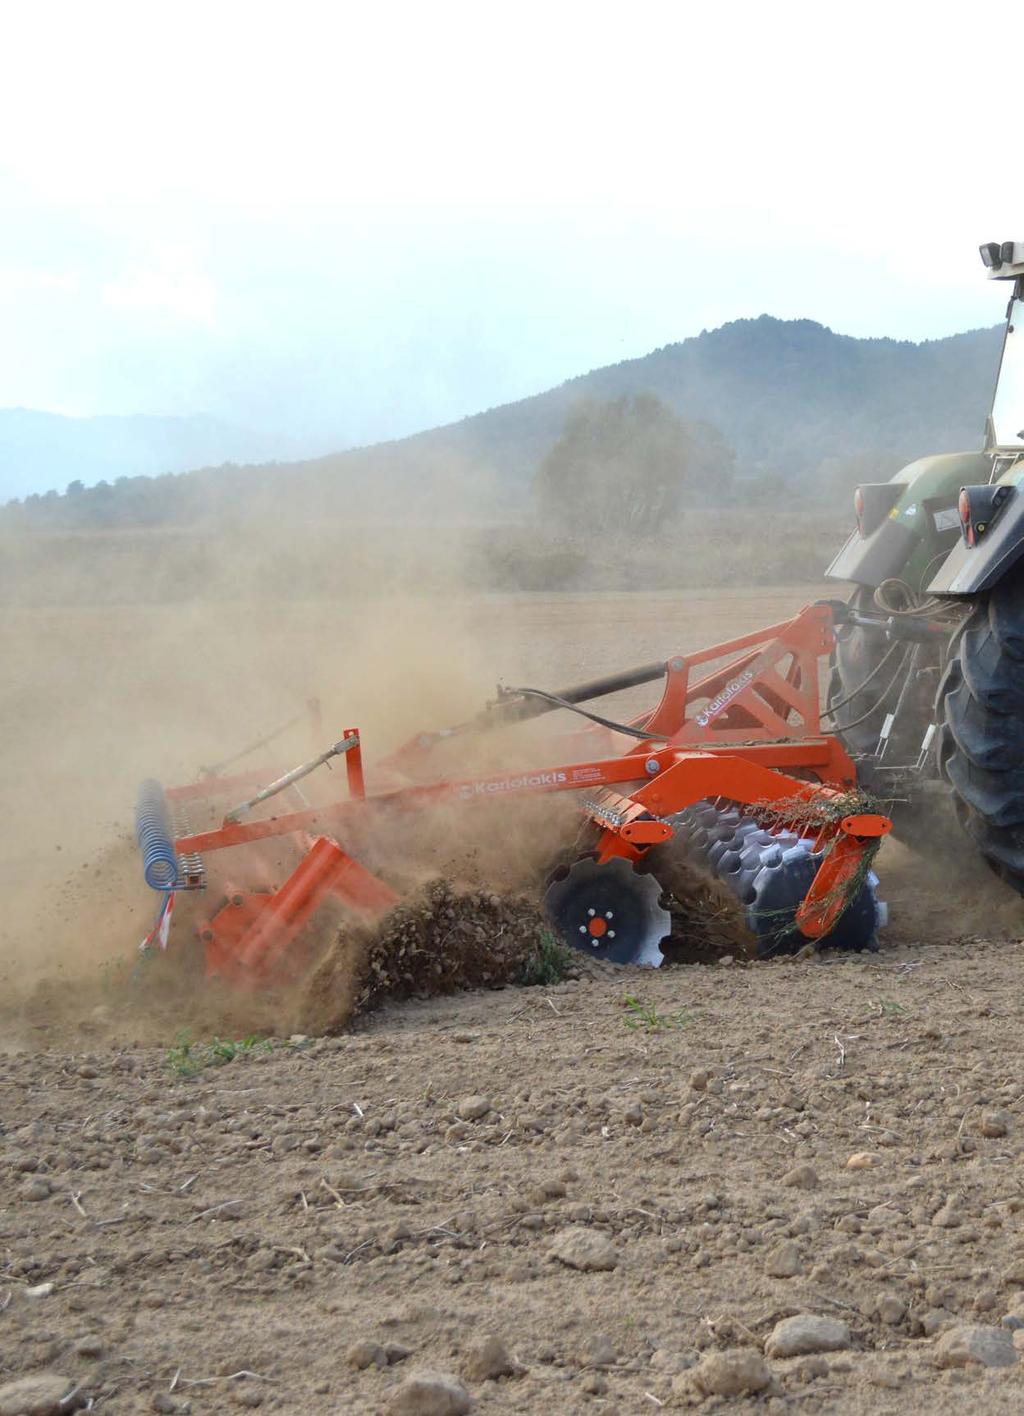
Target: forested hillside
<point x="788" y="403"/>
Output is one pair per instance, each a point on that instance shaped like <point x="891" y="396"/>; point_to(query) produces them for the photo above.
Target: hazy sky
<point x="350" y="221"/>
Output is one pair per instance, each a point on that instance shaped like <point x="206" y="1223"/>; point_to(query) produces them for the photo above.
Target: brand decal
<point x="721" y="700"/>
<point x="511" y="784"/>
<point x="585" y="774"/>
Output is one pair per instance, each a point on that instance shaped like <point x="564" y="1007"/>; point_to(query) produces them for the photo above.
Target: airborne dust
<point x="116" y="682"/>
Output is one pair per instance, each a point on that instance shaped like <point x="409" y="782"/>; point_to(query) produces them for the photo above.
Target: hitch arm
<point x="349" y="743"/>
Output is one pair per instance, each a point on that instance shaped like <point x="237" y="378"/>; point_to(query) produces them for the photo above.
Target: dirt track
<point x="266" y="1215"/>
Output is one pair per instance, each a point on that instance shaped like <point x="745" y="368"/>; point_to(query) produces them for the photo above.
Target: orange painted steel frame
<point x="732" y="734"/>
<point x="770" y="689"/>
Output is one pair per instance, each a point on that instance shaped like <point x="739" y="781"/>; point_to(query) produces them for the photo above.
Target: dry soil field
<point x="556" y="1200"/>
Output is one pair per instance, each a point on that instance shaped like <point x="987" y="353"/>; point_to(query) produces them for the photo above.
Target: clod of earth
<point x="734" y="1373"/>
<point x="995" y="1123"/>
<point x="489" y="1359"/>
<point x="785" y="1261"/>
<point x="586" y="1250"/>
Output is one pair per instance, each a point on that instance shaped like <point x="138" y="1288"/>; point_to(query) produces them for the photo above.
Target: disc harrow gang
<point x="732" y="765"/>
<point x="770" y="872"/>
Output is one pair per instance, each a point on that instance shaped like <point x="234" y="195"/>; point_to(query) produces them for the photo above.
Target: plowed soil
<point x="300" y="1223"/>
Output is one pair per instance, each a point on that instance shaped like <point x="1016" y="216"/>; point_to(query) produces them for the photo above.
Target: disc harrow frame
<point x="737" y="722"/>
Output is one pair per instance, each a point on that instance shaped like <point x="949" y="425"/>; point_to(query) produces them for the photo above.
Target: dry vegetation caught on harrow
<point x="443" y="1165"/>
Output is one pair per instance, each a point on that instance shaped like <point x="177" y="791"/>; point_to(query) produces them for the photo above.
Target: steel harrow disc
<point x="609" y="911"/>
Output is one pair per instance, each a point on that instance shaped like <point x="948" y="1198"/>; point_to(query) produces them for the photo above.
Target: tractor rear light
<point x="1002" y="259"/>
<point x="978" y="507"/>
<point x="963" y="506"/>
<point x="872" y="503"/>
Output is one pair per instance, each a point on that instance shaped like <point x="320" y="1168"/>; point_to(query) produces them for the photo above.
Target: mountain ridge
<point x="792" y="397"/>
<point x="105" y="446"/>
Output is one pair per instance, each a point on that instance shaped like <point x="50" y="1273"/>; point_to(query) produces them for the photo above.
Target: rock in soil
<point x="801" y="1177"/>
<point x="586" y="1250"/>
<point x="473" y="1108"/>
<point x="863" y="1160"/>
<point x="40" y="1395"/>
<point x="430" y="1394"/>
<point x="975" y="1347"/>
<point x="805" y="1333"/>
<point x="366" y="1354"/>
<point x="91" y="1345"/>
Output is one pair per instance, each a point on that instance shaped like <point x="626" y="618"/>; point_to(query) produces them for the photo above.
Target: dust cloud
<point x="122" y="664"/>
<point x="114" y="683"/>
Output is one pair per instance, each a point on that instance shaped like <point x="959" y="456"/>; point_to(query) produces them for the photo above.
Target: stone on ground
<point x="366" y="1354"/>
<point x="801" y="1177"/>
<point x="39" y="1395"/>
<point x="430" y="1394"/>
<point x="585" y="1249"/>
<point x="806" y="1333"/>
<point x="862" y="1160"/>
<point x="974" y="1346"/>
<point x="473" y="1108"/>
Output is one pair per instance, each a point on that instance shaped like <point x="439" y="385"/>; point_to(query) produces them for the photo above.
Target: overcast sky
<point x="346" y="222"/>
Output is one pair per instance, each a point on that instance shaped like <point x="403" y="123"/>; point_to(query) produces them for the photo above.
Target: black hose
<point x="557" y="702"/>
<point x="842" y="702"/>
<point x="879" y="702"/>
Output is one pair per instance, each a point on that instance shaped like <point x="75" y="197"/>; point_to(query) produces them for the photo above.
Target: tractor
<point x="926" y="689"/>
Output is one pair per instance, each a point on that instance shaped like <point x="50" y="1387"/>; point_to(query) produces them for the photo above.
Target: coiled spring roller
<point x="155" y="836"/>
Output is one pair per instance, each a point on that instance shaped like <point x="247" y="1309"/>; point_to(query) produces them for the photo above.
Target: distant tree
<point x="625" y="464"/>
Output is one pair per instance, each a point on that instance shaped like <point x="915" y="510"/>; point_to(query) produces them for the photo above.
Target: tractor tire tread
<point x="980" y="742"/>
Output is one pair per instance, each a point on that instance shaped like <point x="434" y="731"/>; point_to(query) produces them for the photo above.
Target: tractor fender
<point x="969" y="570"/>
<point x="921" y="524"/>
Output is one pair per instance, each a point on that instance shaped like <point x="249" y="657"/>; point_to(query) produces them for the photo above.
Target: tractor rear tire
<point x="980" y="712"/>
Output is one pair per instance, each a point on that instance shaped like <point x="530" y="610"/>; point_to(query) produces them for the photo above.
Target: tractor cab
<point x="1005" y="431"/>
<point x="953" y="524"/>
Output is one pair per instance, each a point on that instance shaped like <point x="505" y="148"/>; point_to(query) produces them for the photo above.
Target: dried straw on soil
<point x="440" y="942"/>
